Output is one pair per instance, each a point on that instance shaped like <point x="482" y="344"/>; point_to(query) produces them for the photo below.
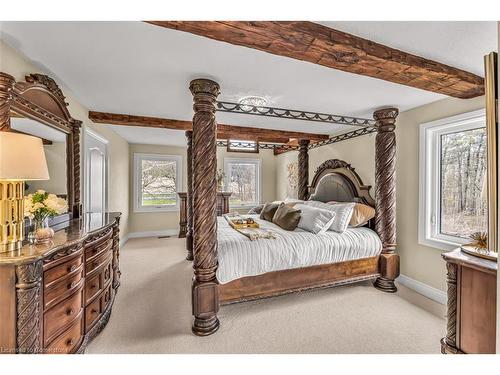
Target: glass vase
<point x="40" y="232"/>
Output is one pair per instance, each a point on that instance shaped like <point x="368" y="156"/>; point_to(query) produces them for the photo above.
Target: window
<point x="157" y="179"/>
<point x="452" y="180"/>
<point x="243" y="181"/>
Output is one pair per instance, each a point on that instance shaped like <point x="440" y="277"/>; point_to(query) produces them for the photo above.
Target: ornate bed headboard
<point x="336" y="180"/>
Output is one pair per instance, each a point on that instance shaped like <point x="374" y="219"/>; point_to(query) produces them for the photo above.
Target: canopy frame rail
<point x="293" y="114"/>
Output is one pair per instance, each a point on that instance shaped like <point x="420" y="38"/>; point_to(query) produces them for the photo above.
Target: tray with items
<point x="240" y="222"/>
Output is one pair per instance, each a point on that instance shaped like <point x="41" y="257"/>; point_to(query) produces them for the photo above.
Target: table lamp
<point x="22" y="158"/>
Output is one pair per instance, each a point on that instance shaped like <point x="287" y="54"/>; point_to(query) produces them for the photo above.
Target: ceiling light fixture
<point x="252" y="101"/>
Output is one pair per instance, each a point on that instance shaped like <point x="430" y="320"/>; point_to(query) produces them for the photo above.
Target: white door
<point x="96" y="172"/>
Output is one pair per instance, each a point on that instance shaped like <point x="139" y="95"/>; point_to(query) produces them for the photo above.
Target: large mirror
<point x="55" y="147"/>
<point x="37" y="106"/>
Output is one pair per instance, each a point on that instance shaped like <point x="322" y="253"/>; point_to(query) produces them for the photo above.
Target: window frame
<point x="254" y="161"/>
<point x="430" y="176"/>
<point x="138" y="158"/>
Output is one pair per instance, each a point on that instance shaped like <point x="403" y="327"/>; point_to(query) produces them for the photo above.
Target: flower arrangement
<point x="38" y="207"/>
<point x="480" y="240"/>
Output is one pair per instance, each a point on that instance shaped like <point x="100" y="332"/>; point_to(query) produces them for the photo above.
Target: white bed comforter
<point x="240" y="257"/>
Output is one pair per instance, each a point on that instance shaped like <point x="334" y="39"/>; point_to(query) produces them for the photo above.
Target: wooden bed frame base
<point x="277" y="283"/>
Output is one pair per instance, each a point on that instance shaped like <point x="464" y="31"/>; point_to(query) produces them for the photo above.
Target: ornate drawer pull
<point x="93" y="311"/>
<point x="72" y="268"/>
<point x="72" y="285"/>
<point x="70" y="342"/>
<point x="95" y="264"/>
<point x="70" y="311"/>
<point x="93" y="286"/>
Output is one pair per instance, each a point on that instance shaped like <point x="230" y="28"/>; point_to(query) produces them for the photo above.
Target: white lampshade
<point x="22" y="157"/>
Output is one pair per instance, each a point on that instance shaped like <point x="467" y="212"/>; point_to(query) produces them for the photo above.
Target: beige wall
<point x="18" y="66"/>
<point x="418" y="262"/>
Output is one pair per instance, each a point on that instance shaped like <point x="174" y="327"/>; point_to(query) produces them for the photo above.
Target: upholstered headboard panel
<point x="334" y="187"/>
<point x="336" y="180"/>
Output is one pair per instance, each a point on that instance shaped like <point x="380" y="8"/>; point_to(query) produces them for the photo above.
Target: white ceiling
<point x="141" y="69"/>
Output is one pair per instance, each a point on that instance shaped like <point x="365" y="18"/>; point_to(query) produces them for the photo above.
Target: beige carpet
<point x="152" y="314"/>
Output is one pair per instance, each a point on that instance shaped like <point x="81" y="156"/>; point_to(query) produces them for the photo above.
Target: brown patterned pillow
<point x="268" y="211"/>
<point x="286" y="217"/>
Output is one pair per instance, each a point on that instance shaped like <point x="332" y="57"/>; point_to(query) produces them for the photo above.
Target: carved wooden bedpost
<point x="303" y="167"/>
<point x="385" y="197"/>
<point x="189" y="231"/>
<point x="6" y="84"/>
<point x="205" y="288"/>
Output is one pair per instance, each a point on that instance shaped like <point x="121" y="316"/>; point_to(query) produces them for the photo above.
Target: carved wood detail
<point x="29" y="307"/>
<point x="6" y="84"/>
<point x="385" y="195"/>
<point x="451" y="324"/>
<point x="116" y="255"/>
<point x="345" y="169"/>
<point x="49" y="83"/>
<point x="189" y="202"/>
<point x="62" y="253"/>
<point x="303" y="164"/>
<point x="205" y="293"/>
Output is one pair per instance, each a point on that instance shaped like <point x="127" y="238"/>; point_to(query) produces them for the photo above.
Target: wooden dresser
<point x="56" y="297"/>
<point x="222" y="208"/>
<point x="472" y="292"/>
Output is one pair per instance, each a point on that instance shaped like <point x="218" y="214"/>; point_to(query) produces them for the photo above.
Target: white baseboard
<point x="153" y="233"/>
<point x="426" y="290"/>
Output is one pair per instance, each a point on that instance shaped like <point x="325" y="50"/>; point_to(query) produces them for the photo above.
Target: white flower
<point x="40" y="191"/>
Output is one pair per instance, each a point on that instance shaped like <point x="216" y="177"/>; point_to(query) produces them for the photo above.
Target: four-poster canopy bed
<point x="334" y="180"/>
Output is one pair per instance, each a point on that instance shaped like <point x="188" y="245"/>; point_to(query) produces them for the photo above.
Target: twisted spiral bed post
<point x="385" y="197"/>
<point x="303" y="166"/>
<point x="205" y="300"/>
<point x="189" y="161"/>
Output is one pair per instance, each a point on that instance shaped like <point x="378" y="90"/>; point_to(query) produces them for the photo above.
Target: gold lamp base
<point x="11" y="214"/>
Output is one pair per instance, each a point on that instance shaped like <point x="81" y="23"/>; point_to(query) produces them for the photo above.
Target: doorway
<point x="96" y="173"/>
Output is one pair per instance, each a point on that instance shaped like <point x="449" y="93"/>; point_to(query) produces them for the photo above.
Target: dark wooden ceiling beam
<point x="335" y="49"/>
<point x="223" y="131"/>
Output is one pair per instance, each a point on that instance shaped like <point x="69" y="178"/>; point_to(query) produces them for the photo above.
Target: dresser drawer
<point x="99" y="238"/>
<point x="59" y="316"/>
<point x="97" y="262"/>
<point x="92" y="252"/>
<point x="63" y="287"/>
<point x="67" y="341"/>
<point x="93" y="287"/>
<point x="92" y="313"/>
<point x="62" y="270"/>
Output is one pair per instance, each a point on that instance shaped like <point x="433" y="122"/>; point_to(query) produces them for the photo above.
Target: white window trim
<point x="429" y="176"/>
<point x="258" y="162"/>
<point x="138" y="157"/>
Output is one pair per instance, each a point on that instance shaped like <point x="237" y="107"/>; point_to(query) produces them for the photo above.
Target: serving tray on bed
<point x="234" y="222"/>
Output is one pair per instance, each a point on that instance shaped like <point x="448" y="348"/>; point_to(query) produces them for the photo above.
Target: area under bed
<point x="239" y="257"/>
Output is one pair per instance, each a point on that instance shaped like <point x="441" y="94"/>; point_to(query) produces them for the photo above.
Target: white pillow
<point x="343" y="213"/>
<point x="314" y="220"/>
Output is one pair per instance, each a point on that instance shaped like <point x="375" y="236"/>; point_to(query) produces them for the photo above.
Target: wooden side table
<point x="222" y="208"/>
<point x="472" y="292"/>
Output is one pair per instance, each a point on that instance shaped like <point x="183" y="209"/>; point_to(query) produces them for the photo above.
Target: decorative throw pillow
<point x="361" y="214"/>
<point x="313" y="219"/>
<point x="269" y="210"/>
<point x="343" y="213"/>
<point x="286" y="217"/>
<point x="256" y="210"/>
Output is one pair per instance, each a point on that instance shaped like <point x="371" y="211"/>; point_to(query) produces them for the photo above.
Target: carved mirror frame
<point x="39" y="98"/>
